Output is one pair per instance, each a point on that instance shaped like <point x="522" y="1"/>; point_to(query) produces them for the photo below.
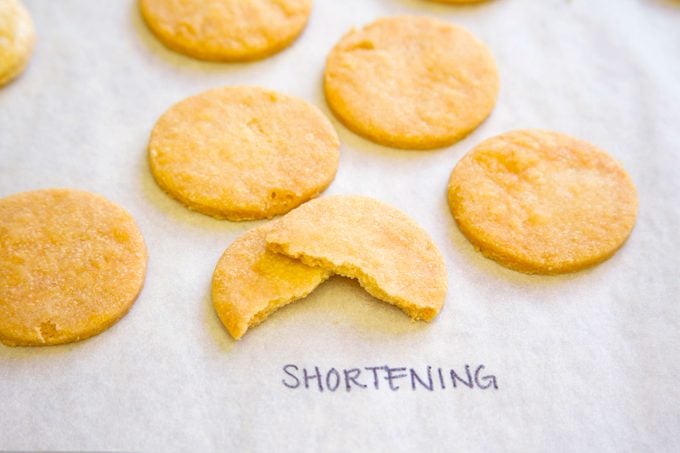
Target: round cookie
<point x="226" y="30"/>
<point x="243" y="153"/>
<point x="411" y="82"/>
<point x="71" y="264"/>
<point x="17" y="37"/>
<point x="359" y="237"/>
<point x="542" y="202"/>
<point x="250" y="283"/>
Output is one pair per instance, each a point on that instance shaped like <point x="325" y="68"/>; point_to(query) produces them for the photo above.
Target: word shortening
<point x="387" y="378"/>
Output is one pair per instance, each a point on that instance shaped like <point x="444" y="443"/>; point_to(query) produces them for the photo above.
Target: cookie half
<point x="17" y="38"/>
<point x="542" y="202"/>
<point x="250" y="283"/>
<point x="243" y="153"/>
<point x="393" y="258"/>
<point x="226" y="30"/>
<point x="411" y="82"/>
<point x="71" y="264"/>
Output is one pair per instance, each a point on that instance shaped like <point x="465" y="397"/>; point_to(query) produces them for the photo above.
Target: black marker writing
<point x="428" y="379"/>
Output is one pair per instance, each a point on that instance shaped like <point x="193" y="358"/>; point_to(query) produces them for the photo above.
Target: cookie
<point x="243" y="153"/>
<point x="250" y="283"/>
<point x="542" y="202"/>
<point x="359" y="237"/>
<point x="459" y="2"/>
<point x="17" y="37"/>
<point x="226" y="30"/>
<point x="411" y="82"/>
<point x="71" y="264"/>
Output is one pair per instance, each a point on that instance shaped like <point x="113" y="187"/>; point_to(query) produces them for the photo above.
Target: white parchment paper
<point x="583" y="362"/>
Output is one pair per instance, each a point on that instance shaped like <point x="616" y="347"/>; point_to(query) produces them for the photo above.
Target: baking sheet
<point x="586" y="361"/>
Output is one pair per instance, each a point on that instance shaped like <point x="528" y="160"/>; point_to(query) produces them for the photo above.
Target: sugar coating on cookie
<point x="17" y="37"/>
<point x="411" y="82"/>
<point x="71" y="264"/>
<point x="393" y="258"/>
<point x="243" y="153"/>
<point x="226" y="30"/>
<point x="542" y="202"/>
<point x="250" y="283"/>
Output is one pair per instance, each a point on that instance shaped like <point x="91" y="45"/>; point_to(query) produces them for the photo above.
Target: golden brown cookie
<point x="243" y="153"/>
<point x="17" y="37"/>
<point x="226" y="30"/>
<point x="411" y="82"/>
<point x="359" y="237"/>
<point x="542" y="202"/>
<point x="250" y="283"/>
<point x="71" y="264"/>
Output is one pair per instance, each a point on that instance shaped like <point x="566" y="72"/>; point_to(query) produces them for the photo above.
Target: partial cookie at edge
<point x="17" y="38"/>
<point x="226" y="30"/>
<point x="71" y="264"/>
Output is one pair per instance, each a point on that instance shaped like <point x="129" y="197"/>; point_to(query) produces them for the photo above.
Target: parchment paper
<point x="582" y="362"/>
